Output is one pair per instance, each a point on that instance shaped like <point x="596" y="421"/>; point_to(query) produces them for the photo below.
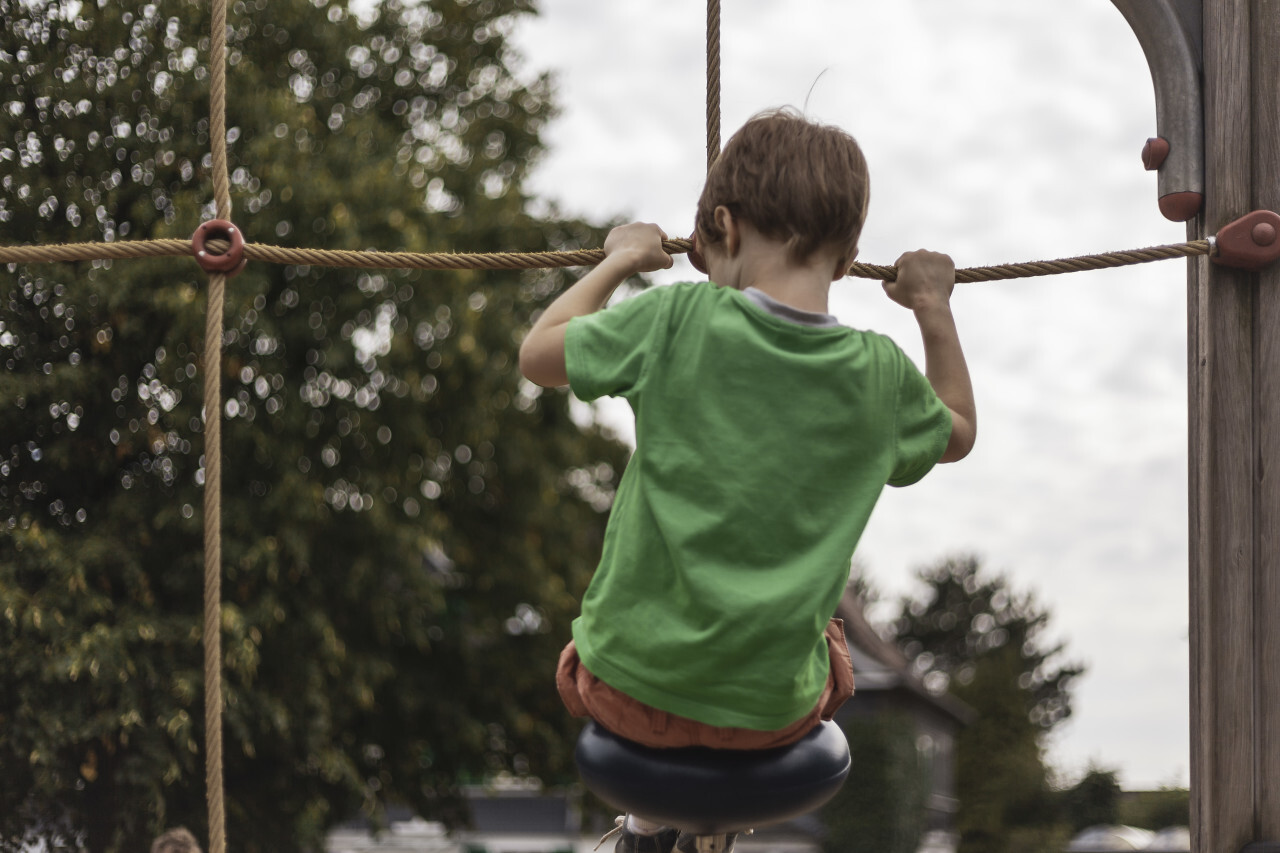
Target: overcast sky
<point x="997" y="131"/>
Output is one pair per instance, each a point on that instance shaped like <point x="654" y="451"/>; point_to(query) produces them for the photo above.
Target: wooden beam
<point x="1265" y="136"/>
<point x="1234" y="386"/>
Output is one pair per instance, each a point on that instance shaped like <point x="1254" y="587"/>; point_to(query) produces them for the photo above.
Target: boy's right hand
<point x="925" y="280"/>
<point x="638" y="247"/>
<point x="629" y="249"/>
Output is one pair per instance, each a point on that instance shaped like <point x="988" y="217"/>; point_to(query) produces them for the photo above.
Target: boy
<point x="765" y="432"/>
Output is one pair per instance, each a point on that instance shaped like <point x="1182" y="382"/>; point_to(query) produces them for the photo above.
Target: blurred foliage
<point x="407" y="524"/>
<point x="1156" y="810"/>
<point x="881" y="808"/>
<point x="1093" y="801"/>
<point x="863" y="586"/>
<point x="981" y="640"/>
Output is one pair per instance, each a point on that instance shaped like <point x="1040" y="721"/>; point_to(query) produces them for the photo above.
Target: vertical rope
<point x="213" y="564"/>
<point x="218" y="109"/>
<point x="713" y="82"/>
<point x="213" y="445"/>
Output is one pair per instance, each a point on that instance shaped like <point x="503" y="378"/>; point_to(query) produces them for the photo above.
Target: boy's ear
<point x="728" y="225"/>
<point x="842" y="266"/>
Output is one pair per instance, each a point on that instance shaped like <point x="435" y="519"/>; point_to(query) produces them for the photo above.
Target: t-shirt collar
<point x="789" y="313"/>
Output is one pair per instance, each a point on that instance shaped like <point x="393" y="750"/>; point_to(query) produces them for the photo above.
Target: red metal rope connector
<point x="1251" y="242"/>
<point x="232" y="261"/>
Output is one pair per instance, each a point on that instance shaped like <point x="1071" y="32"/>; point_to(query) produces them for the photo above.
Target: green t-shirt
<point x="762" y="446"/>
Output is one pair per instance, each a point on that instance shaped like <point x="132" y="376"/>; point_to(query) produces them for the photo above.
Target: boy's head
<point x="791" y="179"/>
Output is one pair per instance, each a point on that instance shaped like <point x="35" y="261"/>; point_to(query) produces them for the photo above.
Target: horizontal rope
<point x="57" y="252"/>
<point x="317" y="257"/>
<point x="546" y="260"/>
<point x="1031" y="269"/>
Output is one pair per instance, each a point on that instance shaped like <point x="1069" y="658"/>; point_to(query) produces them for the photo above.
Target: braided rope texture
<point x="1032" y="269"/>
<point x="545" y="260"/>
<point x="713" y="82"/>
<point x="212" y="635"/>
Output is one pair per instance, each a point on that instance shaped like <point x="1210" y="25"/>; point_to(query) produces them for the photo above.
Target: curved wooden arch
<point x="1170" y="33"/>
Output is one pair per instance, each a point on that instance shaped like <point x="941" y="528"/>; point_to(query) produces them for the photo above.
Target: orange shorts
<point x="587" y="696"/>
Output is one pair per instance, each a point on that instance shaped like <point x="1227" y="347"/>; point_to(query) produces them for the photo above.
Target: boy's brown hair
<point x="793" y="180"/>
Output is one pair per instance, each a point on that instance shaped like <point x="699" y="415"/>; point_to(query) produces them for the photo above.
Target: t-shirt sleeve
<point x="923" y="426"/>
<point x="605" y="352"/>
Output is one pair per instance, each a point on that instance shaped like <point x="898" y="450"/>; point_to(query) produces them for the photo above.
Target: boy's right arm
<point x="629" y="249"/>
<point x="924" y="284"/>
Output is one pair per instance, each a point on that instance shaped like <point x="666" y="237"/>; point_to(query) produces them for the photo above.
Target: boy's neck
<point x="766" y="265"/>
<point x="803" y="294"/>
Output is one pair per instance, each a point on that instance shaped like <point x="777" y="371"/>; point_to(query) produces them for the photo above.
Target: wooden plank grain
<point x="1265" y="142"/>
<point x="1197" y="277"/>
<point x="1198" y="542"/>
<point x="1224" y="790"/>
<point x="1223" y="503"/>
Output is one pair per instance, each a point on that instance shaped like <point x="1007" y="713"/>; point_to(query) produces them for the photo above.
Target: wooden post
<point x="1234" y="379"/>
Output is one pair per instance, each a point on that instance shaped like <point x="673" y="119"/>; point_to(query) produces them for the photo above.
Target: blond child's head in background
<point x="178" y="840"/>
<point x="794" y="181"/>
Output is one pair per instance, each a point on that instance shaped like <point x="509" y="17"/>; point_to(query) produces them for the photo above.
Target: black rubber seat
<point x="714" y="791"/>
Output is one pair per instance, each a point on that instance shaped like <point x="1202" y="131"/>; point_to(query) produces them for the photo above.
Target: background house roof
<point x="878" y="665"/>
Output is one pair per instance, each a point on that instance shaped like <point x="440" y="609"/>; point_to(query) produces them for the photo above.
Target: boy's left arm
<point x="629" y="249"/>
<point x="924" y="284"/>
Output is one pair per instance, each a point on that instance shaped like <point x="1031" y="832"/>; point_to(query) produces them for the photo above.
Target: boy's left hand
<point x="925" y="280"/>
<point x="638" y="246"/>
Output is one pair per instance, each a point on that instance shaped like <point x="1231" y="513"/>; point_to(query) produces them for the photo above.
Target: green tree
<point x="881" y="808"/>
<point x="1093" y="801"/>
<point x="407" y="524"/>
<point x="974" y="635"/>
<point x="1168" y="806"/>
